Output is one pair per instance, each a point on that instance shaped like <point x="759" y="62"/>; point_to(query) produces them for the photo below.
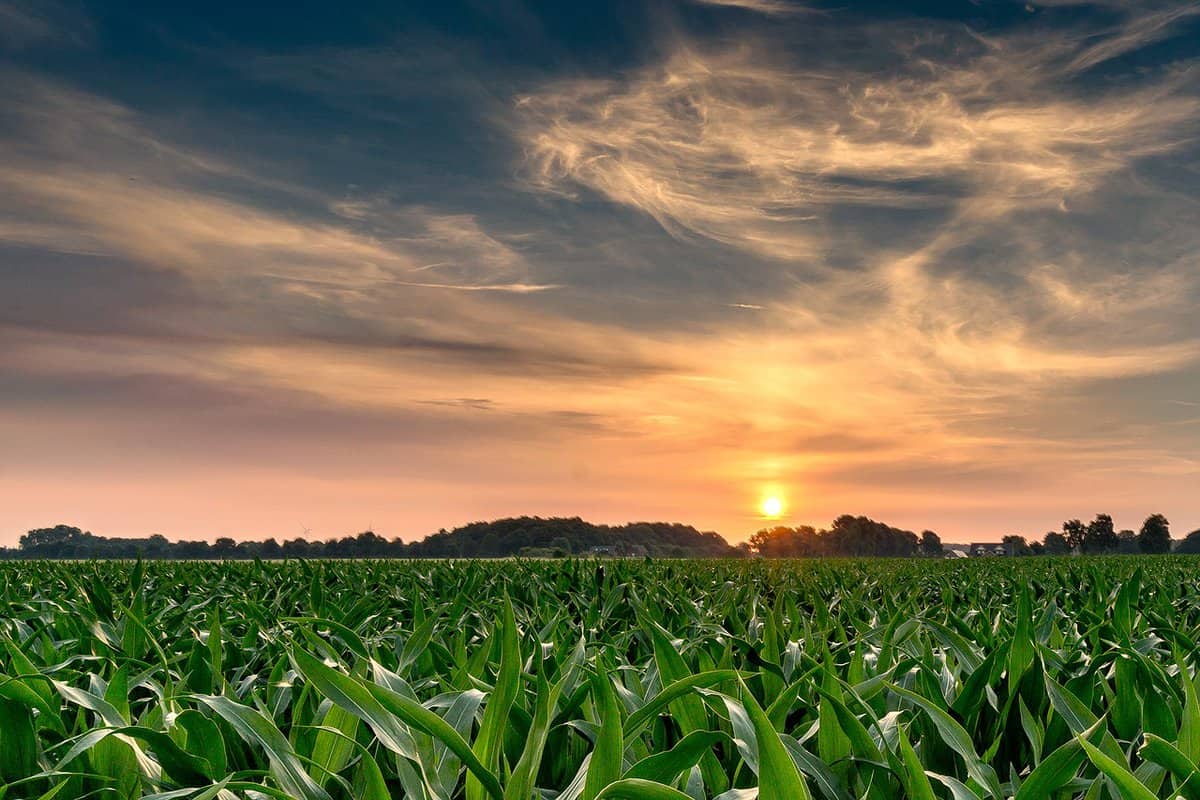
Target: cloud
<point x="904" y="267"/>
<point x="190" y="267"/>
<point x="1003" y="289"/>
<point x="768" y="7"/>
<point x="87" y="175"/>
<point x="25" y="25"/>
<point x="1141" y="30"/>
<point x="730" y="147"/>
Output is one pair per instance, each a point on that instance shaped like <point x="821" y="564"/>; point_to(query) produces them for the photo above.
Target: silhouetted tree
<point x="1127" y="543"/>
<point x="1055" y="544"/>
<point x="784" y="542"/>
<point x="224" y="547"/>
<point x="1020" y="547"/>
<point x="295" y="548"/>
<point x="1101" y="537"/>
<point x="56" y="542"/>
<point x="1075" y="532"/>
<point x="1155" y="535"/>
<point x="1190" y="543"/>
<point x="848" y="536"/>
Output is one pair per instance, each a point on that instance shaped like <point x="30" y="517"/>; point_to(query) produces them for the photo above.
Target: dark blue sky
<point x="422" y="263"/>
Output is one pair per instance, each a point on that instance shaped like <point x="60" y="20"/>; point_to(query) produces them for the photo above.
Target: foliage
<point x="1101" y="536"/>
<point x="500" y="538"/>
<point x="1018" y="545"/>
<point x="509" y="680"/>
<point x="848" y="536"/>
<point x="1190" y="543"/>
<point x="1155" y="535"/>
<point x="1055" y="544"/>
<point x="860" y="536"/>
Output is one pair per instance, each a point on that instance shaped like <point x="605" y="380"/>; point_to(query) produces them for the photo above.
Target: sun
<point x="771" y="506"/>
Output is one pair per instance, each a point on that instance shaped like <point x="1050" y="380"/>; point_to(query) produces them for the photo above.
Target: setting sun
<point x="771" y="506"/>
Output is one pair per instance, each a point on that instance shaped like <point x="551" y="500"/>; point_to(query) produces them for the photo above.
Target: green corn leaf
<point x="606" y="763"/>
<point x="259" y="731"/>
<point x="490" y="740"/>
<point x="956" y="737"/>
<point x="638" y="789"/>
<point x="666" y="767"/>
<point x="1187" y="775"/>
<point x="1128" y="786"/>
<point x="778" y="776"/>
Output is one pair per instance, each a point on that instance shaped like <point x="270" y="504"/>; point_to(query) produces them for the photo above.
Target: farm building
<point x="990" y="549"/>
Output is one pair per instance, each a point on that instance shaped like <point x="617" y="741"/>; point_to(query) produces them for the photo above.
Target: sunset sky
<point x="418" y="264"/>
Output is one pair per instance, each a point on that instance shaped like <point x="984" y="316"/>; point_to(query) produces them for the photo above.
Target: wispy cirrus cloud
<point x="768" y="7"/>
<point x="24" y="25"/>
<point x="1142" y="28"/>
<point x="1007" y="293"/>
<point x="903" y="267"/>
<point x="733" y="148"/>
<point x="86" y="175"/>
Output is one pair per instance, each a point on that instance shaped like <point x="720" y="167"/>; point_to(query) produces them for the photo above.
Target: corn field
<point x="591" y="680"/>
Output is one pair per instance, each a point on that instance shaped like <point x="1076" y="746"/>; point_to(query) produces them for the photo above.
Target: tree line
<point x="860" y="536"/>
<point x="1100" y="536"/>
<point x="848" y="536"/>
<point x="519" y="536"/>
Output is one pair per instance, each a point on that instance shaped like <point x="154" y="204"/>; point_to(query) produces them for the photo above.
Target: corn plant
<point x="591" y="680"/>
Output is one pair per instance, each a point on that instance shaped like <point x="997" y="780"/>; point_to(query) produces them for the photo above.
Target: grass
<point x="513" y="680"/>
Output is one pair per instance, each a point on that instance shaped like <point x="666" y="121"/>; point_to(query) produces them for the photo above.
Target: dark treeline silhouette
<point x="529" y="536"/>
<point x="848" y="536"/>
<point x="860" y="536"/>
<point x="570" y="536"/>
<point x="1100" y="536"/>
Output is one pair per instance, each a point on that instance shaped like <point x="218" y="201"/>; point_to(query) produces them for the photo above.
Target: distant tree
<point x="1190" y="543"/>
<point x="368" y="544"/>
<point x="1127" y="543"/>
<point x="1037" y="549"/>
<point x="1155" y="535"/>
<point x="51" y="539"/>
<point x="1075" y="532"/>
<point x="295" y="548"/>
<point x="862" y="536"/>
<point x="931" y="544"/>
<point x="1020" y="547"/>
<point x="784" y="542"/>
<point x="1055" y="544"/>
<point x="1101" y="536"/>
<point x="224" y="547"/>
<point x="157" y="546"/>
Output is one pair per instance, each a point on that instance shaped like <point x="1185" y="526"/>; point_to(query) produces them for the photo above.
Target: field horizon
<point x="847" y="536"/>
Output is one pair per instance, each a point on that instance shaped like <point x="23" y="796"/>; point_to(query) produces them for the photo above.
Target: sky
<point x="404" y="266"/>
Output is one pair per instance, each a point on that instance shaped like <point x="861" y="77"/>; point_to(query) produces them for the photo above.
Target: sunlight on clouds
<point x="768" y="7"/>
<point x="860" y="365"/>
<point x="736" y="147"/>
<point x="79" y="179"/>
<point x="730" y="147"/>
